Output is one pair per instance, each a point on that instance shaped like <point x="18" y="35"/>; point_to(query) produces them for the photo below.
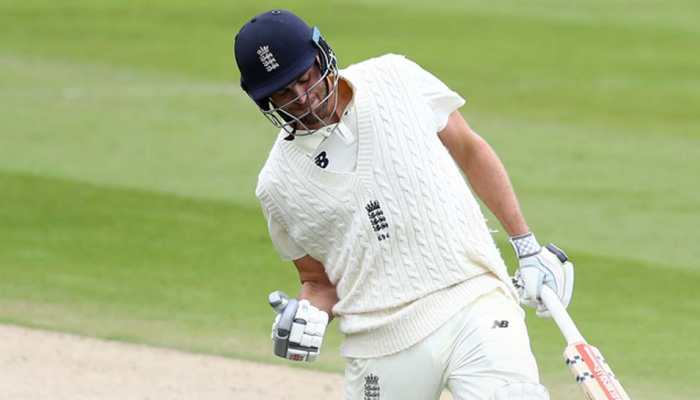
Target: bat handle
<point x="278" y="300"/>
<point x="561" y="317"/>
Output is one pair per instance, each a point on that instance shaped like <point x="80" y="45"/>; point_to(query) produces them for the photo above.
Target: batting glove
<point x="298" y="329"/>
<point x="539" y="266"/>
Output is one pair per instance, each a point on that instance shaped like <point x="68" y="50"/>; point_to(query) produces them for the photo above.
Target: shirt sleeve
<point x="285" y="246"/>
<point x="441" y="100"/>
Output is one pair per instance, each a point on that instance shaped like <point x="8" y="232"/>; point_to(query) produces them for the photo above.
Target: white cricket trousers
<point x="485" y="346"/>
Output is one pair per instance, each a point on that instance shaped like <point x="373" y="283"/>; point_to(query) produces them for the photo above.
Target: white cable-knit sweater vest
<point x="401" y="228"/>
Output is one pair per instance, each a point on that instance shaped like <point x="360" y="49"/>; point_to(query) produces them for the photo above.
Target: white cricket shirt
<point x="337" y="143"/>
<point x="400" y="236"/>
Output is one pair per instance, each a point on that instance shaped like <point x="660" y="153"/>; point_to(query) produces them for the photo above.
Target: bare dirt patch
<point x="40" y="365"/>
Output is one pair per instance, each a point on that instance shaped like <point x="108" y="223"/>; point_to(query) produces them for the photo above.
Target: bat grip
<point x="561" y="317"/>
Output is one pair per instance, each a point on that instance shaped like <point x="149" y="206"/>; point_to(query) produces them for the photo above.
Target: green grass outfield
<point x="128" y="159"/>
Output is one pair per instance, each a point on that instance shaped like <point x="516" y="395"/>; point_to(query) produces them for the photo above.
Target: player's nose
<point x="300" y="94"/>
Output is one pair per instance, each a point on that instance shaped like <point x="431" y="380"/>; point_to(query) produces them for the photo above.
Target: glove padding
<point x="298" y="329"/>
<point x="547" y="266"/>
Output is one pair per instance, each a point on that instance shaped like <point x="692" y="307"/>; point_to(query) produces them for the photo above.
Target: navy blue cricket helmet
<point x="272" y="50"/>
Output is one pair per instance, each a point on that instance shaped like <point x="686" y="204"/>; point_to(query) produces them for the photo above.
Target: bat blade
<point x="592" y="373"/>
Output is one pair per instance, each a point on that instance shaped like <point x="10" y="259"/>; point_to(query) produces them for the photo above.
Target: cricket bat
<point x="586" y="363"/>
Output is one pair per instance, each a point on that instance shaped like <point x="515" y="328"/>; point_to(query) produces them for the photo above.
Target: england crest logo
<point x="267" y="58"/>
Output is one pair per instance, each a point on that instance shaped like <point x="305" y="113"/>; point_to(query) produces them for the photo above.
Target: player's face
<point x="304" y="98"/>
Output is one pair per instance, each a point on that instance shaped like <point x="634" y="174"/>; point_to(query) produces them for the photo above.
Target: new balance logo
<point x="267" y="59"/>
<point x="499" y="324"/>
<point x="371" y="387"/>
<point x="321" y="160"/>
<point x="378" y="220"/>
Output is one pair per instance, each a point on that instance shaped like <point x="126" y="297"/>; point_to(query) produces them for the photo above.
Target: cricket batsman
<point x="363" y="191"/>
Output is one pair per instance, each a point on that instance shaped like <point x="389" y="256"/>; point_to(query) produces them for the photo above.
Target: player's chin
<point x="315" y="119"/>
<point x="312" y="122"/>
<point x="323" y="112"/>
